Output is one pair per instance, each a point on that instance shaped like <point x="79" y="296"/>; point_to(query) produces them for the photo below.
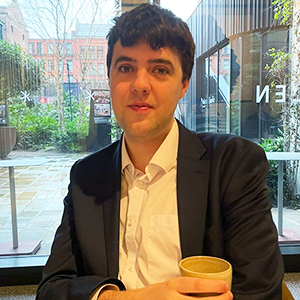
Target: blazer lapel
<point x="192" y="190"/>
<point x="111" y="212"/>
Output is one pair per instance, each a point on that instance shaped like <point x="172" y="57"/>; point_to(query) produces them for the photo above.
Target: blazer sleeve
<point x="64" y="276"/>
<point x="250" y="236"/>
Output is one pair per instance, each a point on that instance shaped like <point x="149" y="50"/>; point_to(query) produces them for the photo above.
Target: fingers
<point x="186" y="285"/>
<point x="227" y="296"/>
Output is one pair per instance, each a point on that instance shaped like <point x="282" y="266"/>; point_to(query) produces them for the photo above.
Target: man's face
<point x="145" y="87"/>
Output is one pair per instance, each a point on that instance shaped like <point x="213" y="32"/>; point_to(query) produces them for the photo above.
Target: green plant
<point x="284" y="70"/>
<point x="37" y="127"/>
<point x="34" y="125"/>
<point x="283" y="10"/>
<point x="73" y="139"/>
<point x="278" y="70"/>
<point x="116" y="130"/>
<point x="19" y="71"/>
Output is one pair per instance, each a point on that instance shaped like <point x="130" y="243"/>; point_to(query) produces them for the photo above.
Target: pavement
<point x="40" y="191"/>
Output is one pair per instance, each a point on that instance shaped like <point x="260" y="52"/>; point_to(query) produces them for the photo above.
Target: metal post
<point x="13" y="207"/>
<point x="280" y="196"/>
<point x="69" y="91"/>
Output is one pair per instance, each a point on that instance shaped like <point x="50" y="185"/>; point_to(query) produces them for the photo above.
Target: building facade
<point x="233" y="39"/>
<point x="12" y="24"/>
<point x="130" y="4"/>
<point x="79" y="60"/>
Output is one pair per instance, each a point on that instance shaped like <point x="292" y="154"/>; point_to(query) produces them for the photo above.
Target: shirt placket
<point x="136" y="196"/>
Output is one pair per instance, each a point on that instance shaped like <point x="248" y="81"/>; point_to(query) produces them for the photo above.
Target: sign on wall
<point x="101" y="103"/>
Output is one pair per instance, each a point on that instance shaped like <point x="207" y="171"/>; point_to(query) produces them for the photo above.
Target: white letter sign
<point x="282" y="94"/>
<point x="259" y="95"/>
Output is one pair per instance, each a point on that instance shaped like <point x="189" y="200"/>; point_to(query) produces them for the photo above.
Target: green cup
<point x="207" y="267"/>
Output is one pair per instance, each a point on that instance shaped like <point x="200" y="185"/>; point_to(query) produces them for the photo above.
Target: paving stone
<point x="40" y="191"/>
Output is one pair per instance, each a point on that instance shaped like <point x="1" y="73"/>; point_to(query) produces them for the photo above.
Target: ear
<point x="185" y="86"/>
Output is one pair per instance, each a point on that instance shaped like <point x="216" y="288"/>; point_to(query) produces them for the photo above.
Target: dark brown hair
<point x="159" y="28"/>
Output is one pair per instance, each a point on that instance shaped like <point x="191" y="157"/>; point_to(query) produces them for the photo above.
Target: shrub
<point x="37" y="127"/>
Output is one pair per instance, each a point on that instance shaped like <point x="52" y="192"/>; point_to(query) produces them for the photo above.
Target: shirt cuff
<point x="102" y="288"/>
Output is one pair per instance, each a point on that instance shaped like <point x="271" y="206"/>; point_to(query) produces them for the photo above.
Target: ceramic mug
<point x="208" y="267"/>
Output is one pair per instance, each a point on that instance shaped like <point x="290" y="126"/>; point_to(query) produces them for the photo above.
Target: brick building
<point x="80" y="58"/>
<point x="130" y="4"/>
<point x="12" y="24"/>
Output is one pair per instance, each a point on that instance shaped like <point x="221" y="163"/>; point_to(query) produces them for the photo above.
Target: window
<point x="1" y="31"/>
<point x="100" y="69"/>
<point x="92" y="52"/>
<point x="52" y="80"/>
<point x="92" y="69"/>
<point x="39" y="48"/>
<point x="100" y="52"/>
<point x="221" y="96"/>
<point x="31" y="48"/>
<point x="50" y="48"/>
<point x="226" y="63"/>
<point x="50" y="65"/>
<point x="68" y="49"/>
<point x="213" y="93"/>
<point x="226" y="50"/>
<point x="70" y="64"/>
<point x="60" y="48"/>
<point x="82" y="52"/>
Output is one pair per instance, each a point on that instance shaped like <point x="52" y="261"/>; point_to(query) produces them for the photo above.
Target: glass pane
<point x="52" y="82"/>
<point x="247" y="83"/>
<point x="55" y="100"/>
<point x="213" y="114"/>
<point x="236" y="87"/>
<point x="202" y="105"/>
<point x="224" y="89"/>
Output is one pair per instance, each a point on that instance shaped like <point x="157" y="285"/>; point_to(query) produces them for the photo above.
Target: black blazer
<point x="222" y="206"/>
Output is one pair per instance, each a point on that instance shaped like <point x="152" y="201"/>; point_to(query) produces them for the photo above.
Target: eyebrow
<point x="124" y="58"/>
<point x="160" y="61"/>
<point x="150" y="61"/>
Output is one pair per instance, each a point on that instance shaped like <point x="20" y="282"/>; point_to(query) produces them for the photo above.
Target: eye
<point x="161" y="71"/>
<point x="125" y="69"/>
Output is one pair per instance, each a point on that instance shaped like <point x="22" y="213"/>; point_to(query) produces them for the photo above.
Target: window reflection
<point x="236" y="45"/>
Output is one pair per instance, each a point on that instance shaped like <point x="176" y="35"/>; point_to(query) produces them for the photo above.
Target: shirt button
<point x="131" y="222"/>
<point x="131" y="268"/>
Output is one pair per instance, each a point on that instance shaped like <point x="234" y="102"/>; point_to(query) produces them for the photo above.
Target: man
<point x="161" y="193"/>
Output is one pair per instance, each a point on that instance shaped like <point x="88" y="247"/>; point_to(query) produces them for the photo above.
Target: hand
<point x="174" y="289"/>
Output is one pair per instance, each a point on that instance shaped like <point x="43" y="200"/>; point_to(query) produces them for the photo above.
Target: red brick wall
<point x="14" y="30"/>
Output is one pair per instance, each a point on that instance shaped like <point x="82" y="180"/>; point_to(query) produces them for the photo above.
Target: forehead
<point x="143" y="51"/>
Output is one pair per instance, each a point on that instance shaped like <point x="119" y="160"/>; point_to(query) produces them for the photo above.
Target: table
<point x="25" y="247"/>
<point x="280" y="157"/>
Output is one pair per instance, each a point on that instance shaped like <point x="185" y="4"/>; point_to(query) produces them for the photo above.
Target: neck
<point x="141" y="152"/>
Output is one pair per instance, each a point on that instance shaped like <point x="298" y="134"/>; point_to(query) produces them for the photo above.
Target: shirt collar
<point x="166" y="155"/>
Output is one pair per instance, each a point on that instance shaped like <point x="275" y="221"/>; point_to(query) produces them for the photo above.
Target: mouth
<point x="140" y="107"/>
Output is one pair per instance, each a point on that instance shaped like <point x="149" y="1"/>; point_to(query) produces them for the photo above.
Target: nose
<point x="141" y="84"/>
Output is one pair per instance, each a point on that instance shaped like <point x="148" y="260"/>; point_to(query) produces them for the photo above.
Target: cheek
<point x="119" y="89"/>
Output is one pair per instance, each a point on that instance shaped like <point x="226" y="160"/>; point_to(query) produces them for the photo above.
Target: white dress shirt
<point x="149" y="248"/>
<point x="149" y="232"/>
